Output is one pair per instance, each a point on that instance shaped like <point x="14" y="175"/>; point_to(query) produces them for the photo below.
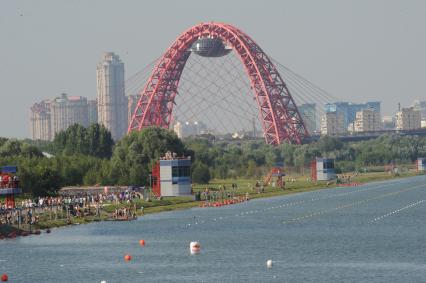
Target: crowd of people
<point x="28" y="211"/>
<point x="9" y="181"/>
<point x="220" y="193"/>
<point x="15" y="217"/>
<point x="124" y="214"/>
<point x="82" y="200"/>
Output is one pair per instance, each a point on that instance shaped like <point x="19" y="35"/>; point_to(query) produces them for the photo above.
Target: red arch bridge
<point x="276" y="108"/>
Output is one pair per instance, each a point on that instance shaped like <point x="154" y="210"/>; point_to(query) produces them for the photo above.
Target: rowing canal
<point x="371" y="233"/>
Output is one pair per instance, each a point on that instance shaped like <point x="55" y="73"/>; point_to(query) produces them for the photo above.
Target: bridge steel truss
<point x="280" y="118"/>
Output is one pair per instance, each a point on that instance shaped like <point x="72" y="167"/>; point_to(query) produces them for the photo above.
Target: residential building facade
<point x="421" y="106"/>
<point x="408" y="119"/>
<point x="40" y="121"/>
<point x="348" y="109"/>
<point x="332" y="123"/>
<point x="92" y="111"/>
<point x="66" y="111"/>
<point x="112" y="102"/>
<point x="367" y="120"/>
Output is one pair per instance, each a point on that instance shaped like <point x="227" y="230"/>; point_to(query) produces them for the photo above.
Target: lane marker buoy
<point x="269" y="263"/>
<point x="397" y="211"/>
<point x="127" y="257"/>
<point x="142" y="243"/>
<point x="195" y="247"/>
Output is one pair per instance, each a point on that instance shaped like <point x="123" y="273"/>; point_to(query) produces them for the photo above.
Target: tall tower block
<point x="112" y="102"/>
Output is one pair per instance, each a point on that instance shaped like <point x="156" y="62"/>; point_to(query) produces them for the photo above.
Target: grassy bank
<point x="244" y="186"/>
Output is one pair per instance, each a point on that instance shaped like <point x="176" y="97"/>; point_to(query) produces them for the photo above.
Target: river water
<point x="371" y="233"/>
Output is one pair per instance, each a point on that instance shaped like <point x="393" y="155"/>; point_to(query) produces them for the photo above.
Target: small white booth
<point x="421" y="164"/>
<point x="323" y="169"/>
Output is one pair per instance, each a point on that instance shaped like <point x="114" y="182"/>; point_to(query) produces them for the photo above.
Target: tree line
<point x="89" y="156"/>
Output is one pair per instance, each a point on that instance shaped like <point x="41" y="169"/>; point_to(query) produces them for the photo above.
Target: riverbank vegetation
<point x="88" y="156"/>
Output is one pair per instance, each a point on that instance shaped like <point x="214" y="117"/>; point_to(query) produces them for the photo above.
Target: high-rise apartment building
<point x="367" y="120"/>
<point x="92" y="111"/>
<point x="40" y="121"/>
<point x="421" y="106"/>
<point x="66" y="111"/>
<point x="348" y="109"/>
<point x="112" y="102"/>
<point x="48" y="117"/>
<point x="408" y="119"/>
<point x="308" y="113"/>
<point x="332" y="123"/>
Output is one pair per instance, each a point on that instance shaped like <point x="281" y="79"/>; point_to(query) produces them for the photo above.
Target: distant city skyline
<point x="356" y="50"/>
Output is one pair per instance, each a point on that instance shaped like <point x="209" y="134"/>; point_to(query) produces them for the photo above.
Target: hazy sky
<point x="356" y="50"/>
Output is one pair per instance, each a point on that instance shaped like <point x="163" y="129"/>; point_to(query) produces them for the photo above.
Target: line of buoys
<point x="4" y="277"/>
<point x="194" y="248"/>
<point x="128" y="257"/>
<point x="353" y="184"/>
<point x="221" y="203"/>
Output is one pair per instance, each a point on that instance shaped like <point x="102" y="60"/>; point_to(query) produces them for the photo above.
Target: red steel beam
<point x="281" y="120"/>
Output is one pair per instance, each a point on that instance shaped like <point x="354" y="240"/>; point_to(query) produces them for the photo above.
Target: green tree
<point x="134" y="155"/>
<point x="95" y="140"/>
<point x="16" y="148"/>
<point x="11" y="147"/>
<point x="99" y="141"/>
<point x="251" y="168"/>
<point x="2" y="141"/>
<point x="327" y="144"/>
<point x="200" y="173"/>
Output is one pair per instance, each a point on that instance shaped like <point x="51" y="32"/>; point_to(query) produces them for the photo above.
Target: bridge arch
<point x="280" y="118"/>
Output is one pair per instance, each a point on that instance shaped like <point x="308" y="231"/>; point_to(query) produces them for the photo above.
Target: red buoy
<point x="142" y="243"/>
<point x="4" y="277"/>
<point x="127" y="257"/>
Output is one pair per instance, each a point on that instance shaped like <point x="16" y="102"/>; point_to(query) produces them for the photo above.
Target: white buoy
<point x="269" y="263"/>
<point x="194" y="248"/>
<point x="103" y="281"/>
